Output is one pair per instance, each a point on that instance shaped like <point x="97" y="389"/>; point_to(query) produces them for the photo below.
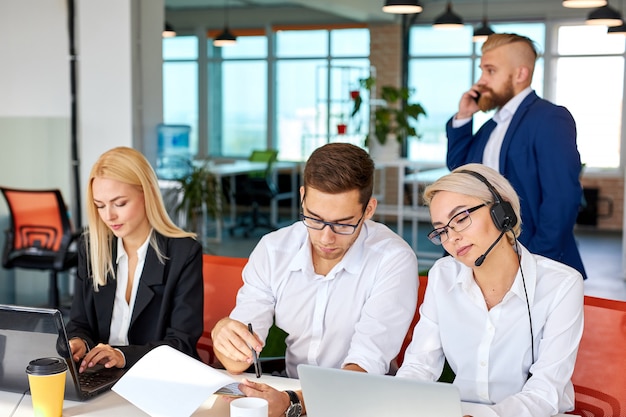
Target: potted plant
<point x="394" y="117"/>
<point x="198" y="198"/>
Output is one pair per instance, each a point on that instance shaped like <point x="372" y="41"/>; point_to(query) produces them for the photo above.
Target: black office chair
<point x="258" y="189"/>
<point x="40" y="235"/>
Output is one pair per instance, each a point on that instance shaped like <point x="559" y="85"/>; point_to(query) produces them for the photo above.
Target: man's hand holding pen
<point x="236" y="346"/>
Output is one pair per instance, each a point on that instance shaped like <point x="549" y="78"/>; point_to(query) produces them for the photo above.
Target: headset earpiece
<point x="502" y="212"/>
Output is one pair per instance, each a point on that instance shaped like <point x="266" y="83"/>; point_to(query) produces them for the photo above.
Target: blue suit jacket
<point x="540" y="159"/>
<point x="168" y="306"/>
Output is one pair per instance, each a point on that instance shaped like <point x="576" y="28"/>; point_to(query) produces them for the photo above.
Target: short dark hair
<point x="340" y="167"/>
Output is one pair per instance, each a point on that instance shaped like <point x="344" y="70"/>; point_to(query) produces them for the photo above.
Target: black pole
<point x="77" y="210"/>
<point x="407" y="22"/>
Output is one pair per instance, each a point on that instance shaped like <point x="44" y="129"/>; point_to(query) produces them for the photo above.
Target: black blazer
<point x="168" y="306"/>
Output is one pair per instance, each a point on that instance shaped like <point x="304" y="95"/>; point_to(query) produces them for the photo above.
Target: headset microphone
<point x="482" y="257"/>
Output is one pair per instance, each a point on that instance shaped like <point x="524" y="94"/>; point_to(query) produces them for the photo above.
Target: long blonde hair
<point x="129" y="166"/>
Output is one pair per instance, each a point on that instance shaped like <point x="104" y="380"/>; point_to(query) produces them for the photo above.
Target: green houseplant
<point x="395" y="116"/>
<point x="198" y="197"/>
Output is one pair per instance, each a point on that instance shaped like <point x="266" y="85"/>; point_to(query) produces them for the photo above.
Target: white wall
<point x="117" y="41"/>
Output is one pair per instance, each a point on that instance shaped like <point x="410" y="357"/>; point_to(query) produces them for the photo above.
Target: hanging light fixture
<point x="402" y="6"/>
<point x="168" y="31"/>
<point x="583" y="4"/>
<point x="605" y="16"/>
<point x="618" y="30"/>
<point x="484" y="30"/>
<point x="226" y="37"/>
<point x="448" y="20"/>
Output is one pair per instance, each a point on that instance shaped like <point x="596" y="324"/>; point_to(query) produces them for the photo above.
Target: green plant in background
<point x="199" y="197"/>
<point x="395" y="117"/>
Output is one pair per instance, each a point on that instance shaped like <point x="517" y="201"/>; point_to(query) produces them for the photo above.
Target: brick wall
<point x="611" y="193"/>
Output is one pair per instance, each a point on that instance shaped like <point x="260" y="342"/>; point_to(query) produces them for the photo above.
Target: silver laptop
<point x="339" y="393"/>
<point x="28" y="333"/>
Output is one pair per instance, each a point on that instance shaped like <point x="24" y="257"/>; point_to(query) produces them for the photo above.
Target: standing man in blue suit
<point x="529" y="140"/>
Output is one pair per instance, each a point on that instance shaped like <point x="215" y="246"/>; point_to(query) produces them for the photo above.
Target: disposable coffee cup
<point x="248" y="407"/>
<point x="46" y="377"/>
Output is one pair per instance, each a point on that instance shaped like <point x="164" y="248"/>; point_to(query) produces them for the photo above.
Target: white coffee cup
<point x="248" y="407"/>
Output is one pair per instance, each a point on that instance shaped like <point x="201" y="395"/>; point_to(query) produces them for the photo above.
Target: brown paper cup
<point x="46" y="377"/>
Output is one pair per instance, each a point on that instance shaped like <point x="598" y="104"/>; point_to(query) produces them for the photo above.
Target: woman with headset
<point x="507" y="321"/>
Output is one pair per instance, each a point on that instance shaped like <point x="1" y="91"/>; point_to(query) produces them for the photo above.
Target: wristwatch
<point x="295" y="408"/>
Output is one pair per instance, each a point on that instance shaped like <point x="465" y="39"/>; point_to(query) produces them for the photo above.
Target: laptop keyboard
<point x="90" y="381"/>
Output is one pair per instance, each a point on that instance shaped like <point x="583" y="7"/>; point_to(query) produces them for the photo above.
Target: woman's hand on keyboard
<point x="105" y="355"/>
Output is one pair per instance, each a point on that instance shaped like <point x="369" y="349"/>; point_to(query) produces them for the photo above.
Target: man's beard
<point x="495" y="100"/>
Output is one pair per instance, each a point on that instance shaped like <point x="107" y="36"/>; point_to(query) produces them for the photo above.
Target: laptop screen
<point x="338" y="393"/>
<point x="26" y="334"/>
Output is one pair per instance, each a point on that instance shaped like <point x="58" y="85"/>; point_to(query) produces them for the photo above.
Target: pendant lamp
<point x="168" y="31"/>
<point x="448" y="20"/>
<point x="484" y="30"/>
<point x="226" y="37"/>
<point x="583" y="4"/>
<point x="618" y="30"/>
<point x="605" y="15"/>
<point x="402" y="6"/>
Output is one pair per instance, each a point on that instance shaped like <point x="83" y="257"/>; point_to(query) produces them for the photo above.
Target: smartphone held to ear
<point x="477" y="96"/>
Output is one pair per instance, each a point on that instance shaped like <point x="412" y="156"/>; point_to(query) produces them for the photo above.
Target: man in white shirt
<point x="530" y="141"/>
<point x="342" y="286"/>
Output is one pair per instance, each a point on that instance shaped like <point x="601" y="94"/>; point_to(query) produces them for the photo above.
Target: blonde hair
<point x="467" y="184"/>
<point x="525" y="49"/>
<point x="129" y="166"/>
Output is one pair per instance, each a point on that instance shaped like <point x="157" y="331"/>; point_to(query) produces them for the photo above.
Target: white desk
<point x="231" y="170"/>
<point x="110" y="404"/>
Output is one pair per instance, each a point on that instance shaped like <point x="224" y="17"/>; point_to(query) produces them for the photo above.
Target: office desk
<point x="111" y="404"/>
<point x="231" y="170"/>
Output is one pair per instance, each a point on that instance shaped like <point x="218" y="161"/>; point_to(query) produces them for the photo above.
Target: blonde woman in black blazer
<point x="139" y="279"/>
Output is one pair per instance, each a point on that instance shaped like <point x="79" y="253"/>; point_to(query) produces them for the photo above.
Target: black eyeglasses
<point x="458" y="223"/>
<point x="339" y="228"/>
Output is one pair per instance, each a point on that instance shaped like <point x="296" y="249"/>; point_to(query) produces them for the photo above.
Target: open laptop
<point x="28" y="333"/>
<point x="339" y="393"/>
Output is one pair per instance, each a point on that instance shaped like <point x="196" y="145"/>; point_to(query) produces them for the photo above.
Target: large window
<point x="589" y="81"/>
<point x="180" y="85"/>
<point x="237" y="94"/>
<point x="290" y="99"/>
<point x="313" y="88"/>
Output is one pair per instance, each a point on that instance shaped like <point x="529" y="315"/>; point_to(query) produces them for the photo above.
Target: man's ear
<point x="522" y="75"/>
<point x="371" y="208"/>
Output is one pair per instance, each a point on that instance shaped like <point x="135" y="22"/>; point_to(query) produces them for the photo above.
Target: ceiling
<point x="370" y="10"/>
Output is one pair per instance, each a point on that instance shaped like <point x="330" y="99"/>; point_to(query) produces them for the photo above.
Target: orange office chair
<point x="40" y="235"/>
<point x="600" y="373"/>
<point x="222" y="280"/>
<point x="423" y="281"/>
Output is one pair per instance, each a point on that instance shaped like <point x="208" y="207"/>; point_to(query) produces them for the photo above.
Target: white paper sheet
<point x="168" y="383"/>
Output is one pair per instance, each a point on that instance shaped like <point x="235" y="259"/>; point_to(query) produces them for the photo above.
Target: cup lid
<point x="46" y="366"/>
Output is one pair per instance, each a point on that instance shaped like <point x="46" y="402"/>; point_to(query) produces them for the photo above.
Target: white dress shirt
<point x="359" y="313"/>
<point x="490" y="350"/>
<point x="123" y="311"/>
